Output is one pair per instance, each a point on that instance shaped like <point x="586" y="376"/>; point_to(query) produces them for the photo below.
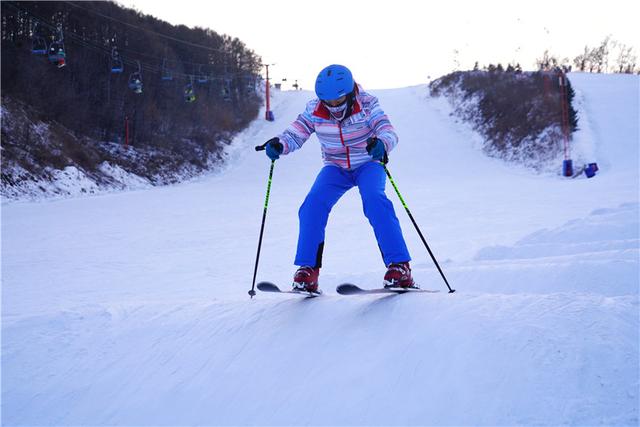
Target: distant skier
<point x="355" y="136"/>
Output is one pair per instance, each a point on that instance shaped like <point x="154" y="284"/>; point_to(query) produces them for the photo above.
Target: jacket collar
<point x="323" y="112"/>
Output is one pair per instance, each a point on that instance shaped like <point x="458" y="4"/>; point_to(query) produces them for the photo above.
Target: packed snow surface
<point x="132" y="308"/>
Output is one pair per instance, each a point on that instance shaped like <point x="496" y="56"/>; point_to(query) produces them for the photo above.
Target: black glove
<point x="274" y="148"/>
<point x="376" y="149"/>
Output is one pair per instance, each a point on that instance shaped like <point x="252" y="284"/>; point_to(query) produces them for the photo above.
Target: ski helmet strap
<point x="351" y="100"/>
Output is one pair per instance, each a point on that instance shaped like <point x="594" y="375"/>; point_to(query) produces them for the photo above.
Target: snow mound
<point x="611" y="233"/>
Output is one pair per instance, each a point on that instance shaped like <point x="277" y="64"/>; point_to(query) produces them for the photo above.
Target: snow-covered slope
<point x="132" y="308"/>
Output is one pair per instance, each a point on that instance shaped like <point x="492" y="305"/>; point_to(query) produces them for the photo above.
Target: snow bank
<point x="70" y="182"/>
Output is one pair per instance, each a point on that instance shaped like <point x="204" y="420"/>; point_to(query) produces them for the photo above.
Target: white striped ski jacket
<point x="343" y="143"/>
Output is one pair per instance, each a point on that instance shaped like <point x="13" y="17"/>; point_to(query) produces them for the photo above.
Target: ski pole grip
<point x="262" y="147"/>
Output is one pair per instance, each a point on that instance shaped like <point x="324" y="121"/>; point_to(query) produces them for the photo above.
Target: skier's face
<point x="336" y="102"/>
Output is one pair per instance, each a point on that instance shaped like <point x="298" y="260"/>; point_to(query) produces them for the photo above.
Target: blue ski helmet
<point x="333" y="82"/>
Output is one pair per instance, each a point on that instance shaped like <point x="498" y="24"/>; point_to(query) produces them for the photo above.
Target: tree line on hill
<point x="609" y="56"/>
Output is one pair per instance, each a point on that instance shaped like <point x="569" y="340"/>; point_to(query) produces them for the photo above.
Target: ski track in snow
<point x="131" y="308"/>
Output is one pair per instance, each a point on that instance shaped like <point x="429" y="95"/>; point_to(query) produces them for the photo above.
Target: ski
<point x="351" y="289"/>
<point x="270" y="287"/>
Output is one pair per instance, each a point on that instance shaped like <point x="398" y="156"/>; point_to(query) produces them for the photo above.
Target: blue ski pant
<point x="332" y="182"/>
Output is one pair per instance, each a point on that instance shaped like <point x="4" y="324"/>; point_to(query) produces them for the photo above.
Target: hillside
<point x="520" y="115"/>
<point x="132" y="308"/>
<point x="111" y="96"/>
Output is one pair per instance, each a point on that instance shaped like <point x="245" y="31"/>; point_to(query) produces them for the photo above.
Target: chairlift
<point x="135" y="80"/>
<point x="57" y="54"/>
<point x="250" y="87"/>
<point x="226" y="90"/>
<point x="189" y="93"/>
<point x="39" y="46"/>
<point x="202" y="77"/>
<point x="166" y="73"/>
<point x="117" y="65"/>
<point x="38" y="43"/>
<point x="56" y="50"/>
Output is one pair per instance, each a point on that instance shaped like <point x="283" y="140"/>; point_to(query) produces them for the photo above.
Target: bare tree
<point x="547" y="62"/>
<point x="550" y="62"/>
<point x="582" y="61"/>
<point x="600" y="56"/>
<point x="625" y="59"/>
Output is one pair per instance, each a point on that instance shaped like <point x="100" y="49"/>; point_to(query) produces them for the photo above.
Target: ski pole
<point x="252" y="292"/>
<point x="406" y="208"/>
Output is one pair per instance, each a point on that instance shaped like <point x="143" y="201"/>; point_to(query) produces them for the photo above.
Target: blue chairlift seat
<point x="39" y="46"/>
<point x="166" y="74"/>
<point x="117" y="66"/>
<point x="202" y="77"/>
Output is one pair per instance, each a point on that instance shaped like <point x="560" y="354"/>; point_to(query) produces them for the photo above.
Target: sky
<point x="400" y="43"/>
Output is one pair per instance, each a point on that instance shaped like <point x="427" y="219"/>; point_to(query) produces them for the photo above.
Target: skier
<point x="355" y="137"/>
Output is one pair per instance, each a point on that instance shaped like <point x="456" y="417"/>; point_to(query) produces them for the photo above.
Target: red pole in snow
<point x="567" y="165"/>
<point x="267" y="94"/>
<point x="268" y="114"/>
<point x="565" y="113"/>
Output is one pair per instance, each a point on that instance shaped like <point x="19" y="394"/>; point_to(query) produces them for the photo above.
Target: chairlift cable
<point x="120" y="48"/>
<point x="77" y="39"/>
<point x="149" y="31"/>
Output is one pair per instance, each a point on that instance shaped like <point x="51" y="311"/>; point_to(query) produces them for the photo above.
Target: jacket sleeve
<point x="297" y="133"/>
<point x="382" y="127"/>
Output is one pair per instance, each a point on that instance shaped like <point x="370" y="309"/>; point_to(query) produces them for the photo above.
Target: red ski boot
<point x="306" y="279"/>
<point x="398" y="276"/>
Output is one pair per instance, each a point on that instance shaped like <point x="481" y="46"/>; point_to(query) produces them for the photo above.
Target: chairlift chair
<point x="39" y="46"/>
<point x="189" y="93"/>
<point x="117" y="65"/>
<point x="226" y="90"/>
<point x="57" y="53"/>
<point x="135" y="80"/>
<point x="202" y="77"/>
<point x="38" y="43"/>
<point x="166" y="73"/>
<point x="250" y="87"/>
